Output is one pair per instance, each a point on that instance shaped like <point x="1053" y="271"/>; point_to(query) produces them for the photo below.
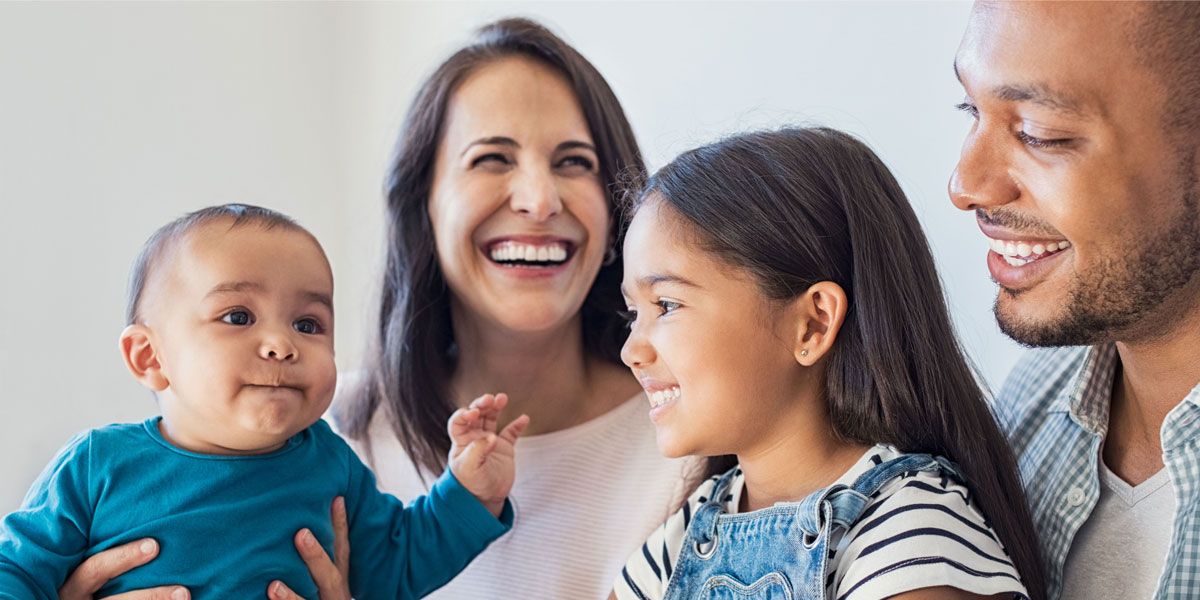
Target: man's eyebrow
<point x="498" y="140"/>
<point x="1036" y="93"/>
<point x="1040" y="95"/>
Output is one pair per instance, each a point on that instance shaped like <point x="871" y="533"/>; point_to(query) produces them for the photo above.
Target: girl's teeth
<point x="662" y="397"/>
<point x="1039" y="249"/>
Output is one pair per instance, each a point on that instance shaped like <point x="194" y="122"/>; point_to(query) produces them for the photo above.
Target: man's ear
<point x="821" y="310"/>
<point x="141" y="358"/>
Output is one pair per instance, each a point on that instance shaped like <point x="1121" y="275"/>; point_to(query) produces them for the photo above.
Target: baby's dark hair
<point x="170" y="234"/>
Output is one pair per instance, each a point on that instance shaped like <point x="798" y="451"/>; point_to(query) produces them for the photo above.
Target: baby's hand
<point x="481" y="459"/>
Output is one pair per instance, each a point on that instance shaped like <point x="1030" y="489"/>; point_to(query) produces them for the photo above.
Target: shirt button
<point x="1075" y="497"/>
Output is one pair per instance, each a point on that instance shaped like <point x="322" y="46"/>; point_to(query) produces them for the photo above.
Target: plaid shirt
<point x="1054" y="409"/>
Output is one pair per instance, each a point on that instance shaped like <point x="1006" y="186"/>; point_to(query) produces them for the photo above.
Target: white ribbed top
<point x="584" y="497"/>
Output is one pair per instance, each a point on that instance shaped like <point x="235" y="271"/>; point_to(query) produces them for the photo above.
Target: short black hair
<point x="169" y="234"/>
<point x="1166" y="37"/>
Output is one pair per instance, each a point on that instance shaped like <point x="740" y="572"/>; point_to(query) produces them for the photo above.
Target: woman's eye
<point x="577" y="161"/>
<point x="491" y="159"/>
<point x="237" y="317"/>
<point x="308" y="326"/>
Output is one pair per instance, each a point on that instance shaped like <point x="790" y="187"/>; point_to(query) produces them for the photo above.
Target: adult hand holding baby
<point x="481" y="459"/>
<point x="94" y="572"/>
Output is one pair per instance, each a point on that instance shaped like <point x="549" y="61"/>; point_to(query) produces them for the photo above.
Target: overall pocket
<point x="772" y="586"/>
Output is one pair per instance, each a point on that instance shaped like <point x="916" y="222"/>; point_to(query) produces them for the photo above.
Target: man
<point x="1082" y="169"/>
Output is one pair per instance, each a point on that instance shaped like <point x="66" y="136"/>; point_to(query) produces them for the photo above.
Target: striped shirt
<point x="919" y="530"/>
<point x="1054" y="409"/>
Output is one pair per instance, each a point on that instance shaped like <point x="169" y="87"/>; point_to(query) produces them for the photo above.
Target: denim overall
<point x="780" y="552"/>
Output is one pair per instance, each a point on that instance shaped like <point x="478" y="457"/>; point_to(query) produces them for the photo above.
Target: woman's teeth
<point x="512" y="251"/>
<point x="662" y="397"/>
<point x="1018" y="253"/>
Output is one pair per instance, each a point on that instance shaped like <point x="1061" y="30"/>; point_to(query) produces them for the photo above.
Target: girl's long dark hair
<point x="412" y="355"/>
<point x="799" y="206"/>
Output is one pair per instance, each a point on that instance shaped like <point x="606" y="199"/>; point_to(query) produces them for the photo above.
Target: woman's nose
<point x="534" y="194"/>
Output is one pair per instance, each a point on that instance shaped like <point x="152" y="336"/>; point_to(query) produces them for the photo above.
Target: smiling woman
<point x="502" y="275"/>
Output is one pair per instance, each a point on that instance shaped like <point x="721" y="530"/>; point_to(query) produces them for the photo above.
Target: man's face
<point x="242" y="323"/>
<point x="1090" y="209"/>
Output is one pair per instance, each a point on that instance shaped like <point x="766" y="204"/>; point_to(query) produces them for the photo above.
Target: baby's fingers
<point x="479" y="449"/>
<point x="514" y="429"/>
<point x="462" y="423"/>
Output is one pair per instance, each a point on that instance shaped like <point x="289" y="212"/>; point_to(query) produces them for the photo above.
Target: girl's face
<point x="715" y="358"/>
<point x="519" y="213"/>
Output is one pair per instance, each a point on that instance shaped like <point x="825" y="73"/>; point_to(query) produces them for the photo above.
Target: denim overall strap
<point x="703" y="529"/>
<point x="848" y="503"/>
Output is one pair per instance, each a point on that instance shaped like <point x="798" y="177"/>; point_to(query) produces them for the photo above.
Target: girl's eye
<point x="237" y="317"/>
<point x="577" y="161"/>
<point x="968" y="108"/>
<point x="1035" y="142"/>
<point x="308" y="326"/>
<point x="667" y="306"/>
<point x="629" y="315"/>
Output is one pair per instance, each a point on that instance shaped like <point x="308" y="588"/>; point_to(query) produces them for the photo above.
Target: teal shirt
<point x="225" y="524"/>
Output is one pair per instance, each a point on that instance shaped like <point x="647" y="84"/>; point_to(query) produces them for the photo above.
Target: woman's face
<point x="518" y="208"/>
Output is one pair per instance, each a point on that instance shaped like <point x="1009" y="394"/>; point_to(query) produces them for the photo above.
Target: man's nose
<point x="982" y="178"/>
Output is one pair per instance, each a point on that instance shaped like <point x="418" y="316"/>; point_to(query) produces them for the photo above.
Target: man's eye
<point x="237" y="317"/>
<point x="308" y="326"/>
<point x="968" y="108"/>
<point x="1036" y="142"/>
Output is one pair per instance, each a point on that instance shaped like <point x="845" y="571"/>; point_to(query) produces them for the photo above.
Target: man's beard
<point x="1121" y="293"/>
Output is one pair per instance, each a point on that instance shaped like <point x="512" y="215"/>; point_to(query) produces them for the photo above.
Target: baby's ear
<point x="141" y="357"/>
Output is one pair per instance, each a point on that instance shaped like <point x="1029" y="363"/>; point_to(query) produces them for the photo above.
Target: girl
<point x="787" y="320"/>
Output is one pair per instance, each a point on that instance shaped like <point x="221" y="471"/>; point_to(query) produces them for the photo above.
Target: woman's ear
<point x="821" y="310"/>
<point x="141" y="358"/>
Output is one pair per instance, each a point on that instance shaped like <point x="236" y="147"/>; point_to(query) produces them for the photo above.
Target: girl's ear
<point x="141" y="358"/>
<point x="821" y="310"/>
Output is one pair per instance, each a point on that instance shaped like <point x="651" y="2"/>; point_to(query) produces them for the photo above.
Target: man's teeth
<point x="662" y="397"/>
<point x="509" y="251"/>
<point x="1017" y="253"/>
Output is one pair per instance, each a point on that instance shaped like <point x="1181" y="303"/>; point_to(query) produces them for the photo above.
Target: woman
<point x="503" y="273"/>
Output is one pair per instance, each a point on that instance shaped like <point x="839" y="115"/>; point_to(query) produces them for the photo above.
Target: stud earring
<point x="804" y="352"/>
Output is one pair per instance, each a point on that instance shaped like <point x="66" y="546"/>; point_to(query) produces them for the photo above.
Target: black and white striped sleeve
<point x="922" y="531"/>
<point x="648" y="570"/>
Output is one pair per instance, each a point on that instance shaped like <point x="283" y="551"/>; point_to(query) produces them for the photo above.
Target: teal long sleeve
<point x="225" y="524"/>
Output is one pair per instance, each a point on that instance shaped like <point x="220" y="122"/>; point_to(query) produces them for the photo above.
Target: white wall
<point x="115" y="118"/>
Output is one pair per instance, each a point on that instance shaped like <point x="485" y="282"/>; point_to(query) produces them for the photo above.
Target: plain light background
<point x="115" y="118"/>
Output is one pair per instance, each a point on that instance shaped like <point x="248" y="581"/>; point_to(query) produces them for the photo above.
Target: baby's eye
<point x="237" y="317"/>
<point x="308" y="326"/>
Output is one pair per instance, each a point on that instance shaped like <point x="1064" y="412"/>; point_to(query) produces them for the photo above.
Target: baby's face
<point x="242" y="323"/>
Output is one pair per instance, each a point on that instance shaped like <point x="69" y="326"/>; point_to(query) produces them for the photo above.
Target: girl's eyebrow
<point x="655" y="278"/>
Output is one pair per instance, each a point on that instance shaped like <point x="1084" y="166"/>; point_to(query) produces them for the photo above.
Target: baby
<point x="231" y="325"/>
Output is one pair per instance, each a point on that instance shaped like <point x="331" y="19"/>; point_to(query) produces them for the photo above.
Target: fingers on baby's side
<point x="103" y="566"/>
<point x="515" y="429"/>
<point x="279" y="590"/>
